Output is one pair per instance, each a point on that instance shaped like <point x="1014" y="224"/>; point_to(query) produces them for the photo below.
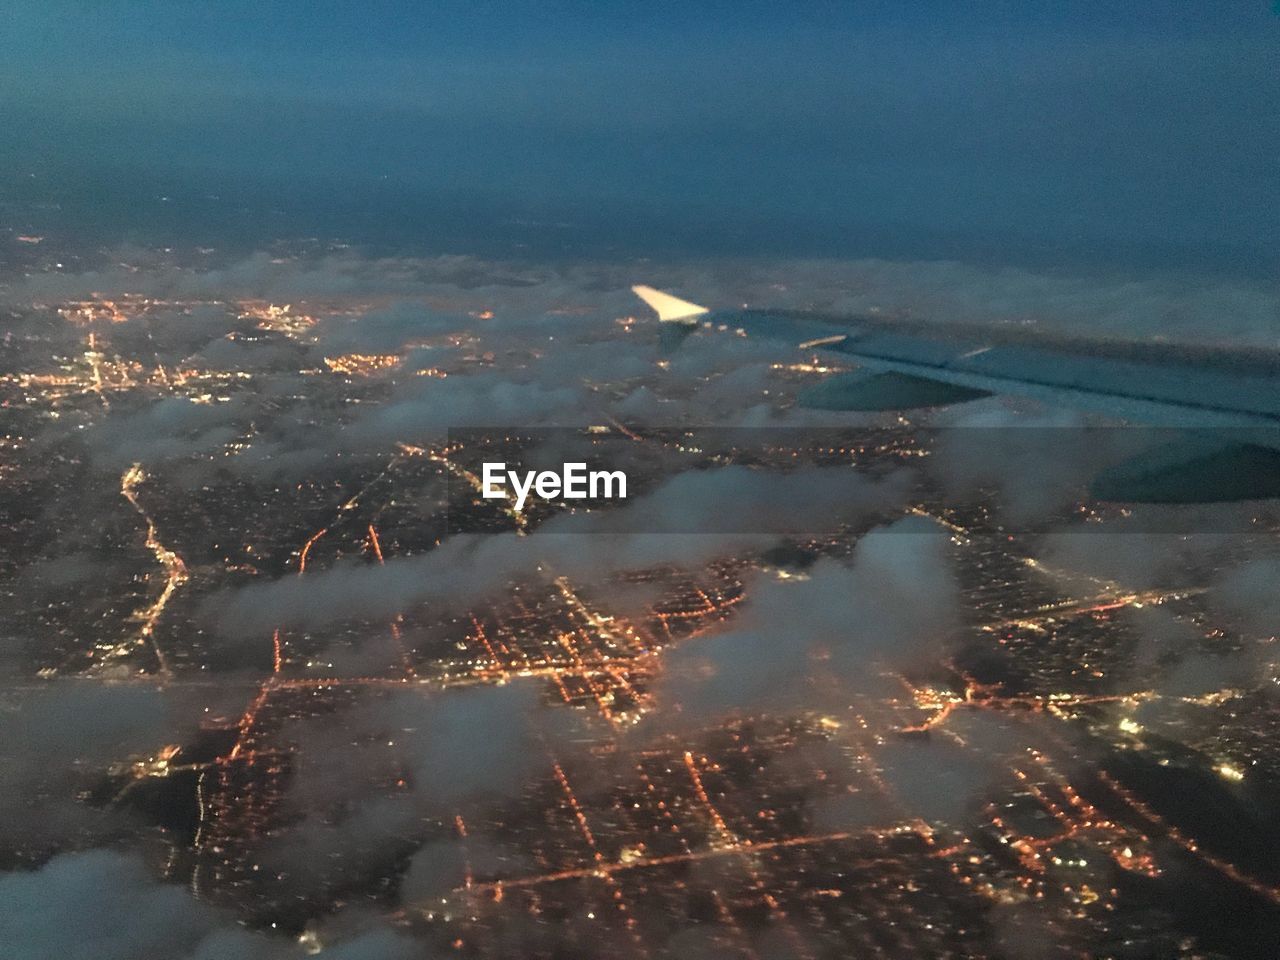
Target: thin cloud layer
<point x="895" y="601"/>
<point x="685" y="521"/>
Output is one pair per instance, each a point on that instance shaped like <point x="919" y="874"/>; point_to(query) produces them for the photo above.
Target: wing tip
<point x="668" y="308"/>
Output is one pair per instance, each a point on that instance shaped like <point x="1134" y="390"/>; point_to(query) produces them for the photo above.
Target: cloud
<point x="1162" y="637"/>
<point x="266" y="276"/>
<point x="63" y="735"/>
<point x="379" y="945"/>
<point x="799" y="637"/>
<point x="375" y="785"/>
<point x="1136" y="306"/>
<point x="1027" y="930"/>
<point x="170" y="428"/>
<point x="941" y="779"/>
<point x="1136" y="560"/>
<point x="370" y="790"/>
<point x="104" y="905"/>
<point x="424" y="413"/>
<point x="689" y="520"/>
<point x="453" y="745"/>
<point x="468" y="744"/>
<point x="1029" y="462"/>
<point x="386" y="329"/>
<point x="610" y="361"/>
<point x="442" y="866"/>
<point x="337" y="857"/>
<point x="1248" y="595"/>
<point x="644" y="406"/>
<point x="741" y="500"/>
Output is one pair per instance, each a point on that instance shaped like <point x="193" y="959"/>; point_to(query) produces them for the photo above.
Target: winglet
<point x="669" y="309"/>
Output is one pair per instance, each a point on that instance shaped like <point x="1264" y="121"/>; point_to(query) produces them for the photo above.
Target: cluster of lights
<point x="278" y="319"/>
<point x="362" y="364"/>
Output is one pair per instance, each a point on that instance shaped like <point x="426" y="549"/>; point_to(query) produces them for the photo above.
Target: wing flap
<point x="883" y="391"/>
<point x="1193" y="473"/>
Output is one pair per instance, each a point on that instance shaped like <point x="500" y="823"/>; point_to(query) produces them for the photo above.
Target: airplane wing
<point x="1230" y="397"/>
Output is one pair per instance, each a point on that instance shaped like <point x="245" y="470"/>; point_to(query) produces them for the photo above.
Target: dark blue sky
<point x="1057" y="132"/>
